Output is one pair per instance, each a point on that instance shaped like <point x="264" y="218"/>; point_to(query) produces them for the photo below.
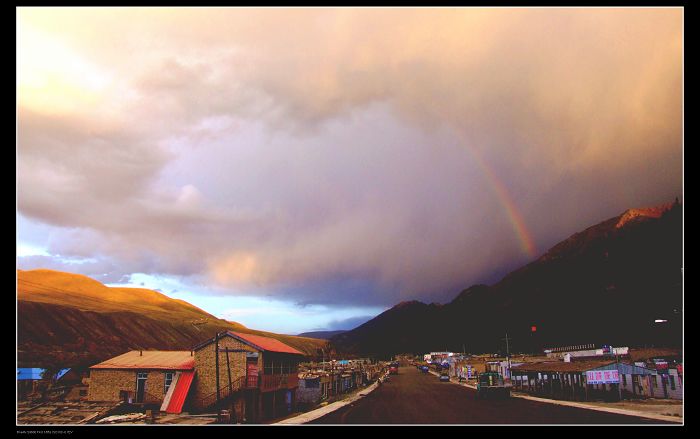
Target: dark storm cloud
<point x="343" y="155"/>
<point x="347" y="324"/>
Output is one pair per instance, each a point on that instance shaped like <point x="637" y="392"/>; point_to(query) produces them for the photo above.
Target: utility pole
<point x="619" y="378"/>
<point x="216" y="348"/>
<point x="507" y="356"/>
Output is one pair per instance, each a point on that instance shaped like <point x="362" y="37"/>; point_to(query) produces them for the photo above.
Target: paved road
<point x="413" y="397"/>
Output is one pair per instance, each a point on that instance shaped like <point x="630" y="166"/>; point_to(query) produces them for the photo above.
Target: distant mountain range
<point x="323" y="335"/>
<point x="606" y="284"/>
<point x="70" y="320"/>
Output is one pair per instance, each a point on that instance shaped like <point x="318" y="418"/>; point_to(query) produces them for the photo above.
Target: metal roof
<point x="265" y="344"/>
<point x="34" y="373"/>
<point x="562" y="366"/>
<point x="171" y="360"/>
<point x="29" y="373"/>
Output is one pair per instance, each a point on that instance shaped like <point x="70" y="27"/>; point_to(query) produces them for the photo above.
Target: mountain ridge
<point x="610" y="267"/>
<point x="323" y="335"/>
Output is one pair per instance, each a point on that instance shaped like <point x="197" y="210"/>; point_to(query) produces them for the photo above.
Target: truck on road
<point x="491" y="385"/>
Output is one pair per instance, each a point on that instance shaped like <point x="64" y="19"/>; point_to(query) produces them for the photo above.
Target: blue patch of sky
<point x="255" y="312"/>
<point x="32" y="237"/>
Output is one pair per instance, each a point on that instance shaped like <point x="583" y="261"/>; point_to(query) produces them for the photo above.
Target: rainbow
<point x="525" y="239"/>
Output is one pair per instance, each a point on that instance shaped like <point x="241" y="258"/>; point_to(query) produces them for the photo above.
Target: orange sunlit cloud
<point x="341" y="154"/>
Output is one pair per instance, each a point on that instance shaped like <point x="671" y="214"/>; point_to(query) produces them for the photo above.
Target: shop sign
<point x="661" y="366"/>
<point x="602" y="377"/>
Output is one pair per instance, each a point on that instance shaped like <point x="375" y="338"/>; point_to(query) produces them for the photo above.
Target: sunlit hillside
<point x="71" y="319"/>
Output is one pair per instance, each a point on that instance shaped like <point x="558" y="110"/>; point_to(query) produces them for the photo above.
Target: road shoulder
<point x="618" y="411"/>
<point x="330" y="408"/>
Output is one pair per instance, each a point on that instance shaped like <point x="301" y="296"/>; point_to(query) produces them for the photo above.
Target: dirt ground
<point x="668" y="407"/>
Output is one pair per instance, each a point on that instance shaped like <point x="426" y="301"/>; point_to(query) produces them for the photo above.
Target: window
<point x="624" y="380"/>
<point x="672" y="380"/>
<point x="83" y="392"/>
<point x="168" y="381"/>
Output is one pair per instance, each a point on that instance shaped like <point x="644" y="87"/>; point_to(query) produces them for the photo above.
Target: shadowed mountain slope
<point x="606" y="284"/>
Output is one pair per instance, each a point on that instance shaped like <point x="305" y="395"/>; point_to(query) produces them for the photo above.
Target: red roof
<point x="171" y="360"/>
<point x="265" y="343"/>
<point x="182" y="388"/>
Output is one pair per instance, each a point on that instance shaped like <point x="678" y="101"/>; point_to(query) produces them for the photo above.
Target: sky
<point x="300" y="169"/>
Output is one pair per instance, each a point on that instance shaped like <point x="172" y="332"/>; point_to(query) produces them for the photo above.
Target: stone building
<point x="139" y="377"/>
<point x="313" y="388"/>
<point x="254" y="377"/>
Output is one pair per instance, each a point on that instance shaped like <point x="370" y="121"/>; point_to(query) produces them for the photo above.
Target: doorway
<point x="251" y="370"/>
<point x="141" y="378"/>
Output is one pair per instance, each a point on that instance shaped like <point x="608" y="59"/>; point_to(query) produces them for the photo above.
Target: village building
<point x="313" y="389"/>
<point x="580" y="380"/>
<point x="141" y="377"/>
<point x="662" y="378"/>
<point x="325" y="381"/>
<point x="502" y="367"/>
<point x="31" y="381"/>
<point x="667" y="383"/>
<point x="467" y="367"/>
<point x="255" y="378"/>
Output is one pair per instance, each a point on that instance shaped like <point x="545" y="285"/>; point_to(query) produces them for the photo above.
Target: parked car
<point x="425" y="369"/>
<point x="444" y="377"/>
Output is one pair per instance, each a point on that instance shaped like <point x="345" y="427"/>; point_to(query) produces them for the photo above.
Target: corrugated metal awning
<point x="182" y="388"/>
